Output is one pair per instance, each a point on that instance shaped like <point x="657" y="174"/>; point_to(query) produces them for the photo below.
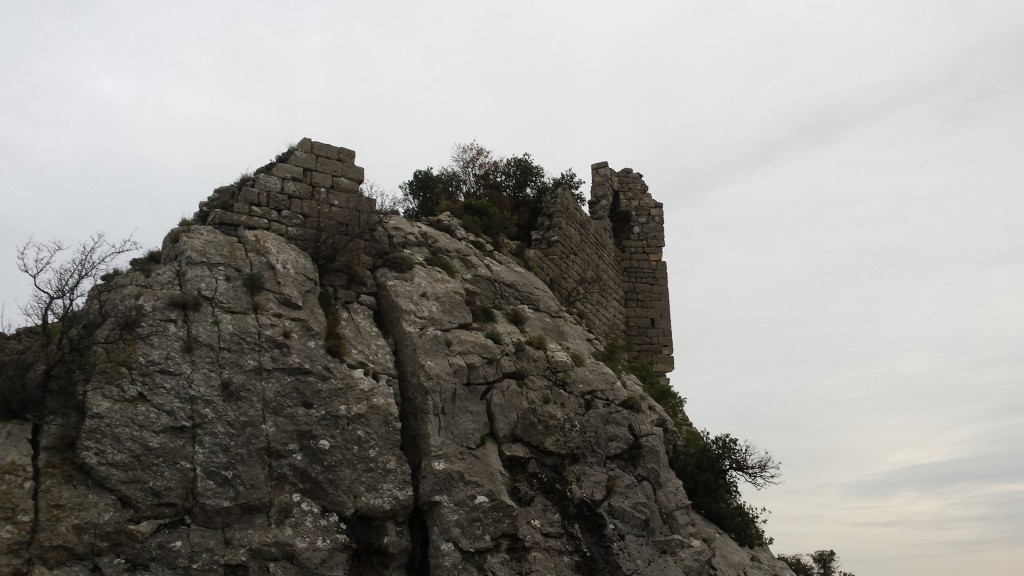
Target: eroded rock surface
<point x="435" y="412"/>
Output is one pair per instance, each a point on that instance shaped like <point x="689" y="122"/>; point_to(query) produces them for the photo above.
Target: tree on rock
<point x="819" y="563"/>
<point x="62" y="277"/>
<point x="492" y="195"/>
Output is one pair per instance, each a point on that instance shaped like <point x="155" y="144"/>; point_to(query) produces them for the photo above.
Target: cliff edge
<point x="304" y="386"/>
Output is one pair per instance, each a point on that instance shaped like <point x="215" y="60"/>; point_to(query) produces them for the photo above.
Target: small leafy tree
<point x="818" y="563"/>
<point x="711" y="468"/>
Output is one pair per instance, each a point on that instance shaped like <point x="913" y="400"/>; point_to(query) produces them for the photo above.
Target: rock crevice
<point x="299" y="388"/>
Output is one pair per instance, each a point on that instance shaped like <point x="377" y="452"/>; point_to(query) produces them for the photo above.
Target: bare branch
<point x="62" y="279"/>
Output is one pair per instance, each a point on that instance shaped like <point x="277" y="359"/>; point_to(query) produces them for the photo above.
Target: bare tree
<point x="388" y="201"/>
<point x="62" y="276"/>
<point x="5" y="323"/>
<point x="584" y="290"/>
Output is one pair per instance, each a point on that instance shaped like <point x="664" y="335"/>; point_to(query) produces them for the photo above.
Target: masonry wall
<point x="308" y="195"/>
<point x="638" y="231"/>
<point x="608" y="267"/>
<point x="576" y="257"/>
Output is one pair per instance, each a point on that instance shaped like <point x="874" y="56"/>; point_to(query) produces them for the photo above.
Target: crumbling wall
<point x="575" y="256"/>
<point x="608" y="268"/>
<point x="309" y="195"/>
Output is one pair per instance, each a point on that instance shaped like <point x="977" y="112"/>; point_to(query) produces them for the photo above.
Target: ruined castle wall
<point x="608" y="268"/>
<point x="576" y="258"/>
<point x="638" y="229"/>
<point x="308" y="195"/>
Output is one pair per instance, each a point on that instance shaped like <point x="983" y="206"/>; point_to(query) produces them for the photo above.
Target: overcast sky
<point x="842" y="183"/>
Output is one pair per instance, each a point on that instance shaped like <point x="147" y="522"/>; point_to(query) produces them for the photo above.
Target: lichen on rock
<point x="458" y="423"/>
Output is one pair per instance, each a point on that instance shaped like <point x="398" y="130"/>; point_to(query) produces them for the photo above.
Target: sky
<point x="842" y="184"/>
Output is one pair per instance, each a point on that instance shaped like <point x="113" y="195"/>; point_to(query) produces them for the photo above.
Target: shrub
<point x="516" y="317"/>
<point x="399" y="262"/>
<point x="710" y="469"/>
<point x="539" y="342"/>
<point x="483" y="314"/>
<point x="660" y="391"/>
<point x="110" y="275"/>
<point x="612" y="355"/>
<point x="185" y="302"/>
<point x="441" y="263"/>
<point x="492" y="195"/>
<point x="326" y="300"/>
<point x="611" y="484"/>
<point x="146" y="263"/>
<point x="577" y="360"/>
<point x="254" y="283"/>
<point x="482" y="218"/>
<point x="493" y="336"/>
<point x="517" y="374"/>
<point x="186" y="221"/>
<point x="632" y="403"/>
<point x="335" y="347"/>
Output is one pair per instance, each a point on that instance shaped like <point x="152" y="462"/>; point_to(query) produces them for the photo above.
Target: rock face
<point x="421" y="404"/>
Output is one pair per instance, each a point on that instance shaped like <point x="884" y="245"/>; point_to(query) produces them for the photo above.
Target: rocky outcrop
<point x="434" y="409"/>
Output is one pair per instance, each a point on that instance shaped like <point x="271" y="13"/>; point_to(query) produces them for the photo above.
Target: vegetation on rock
<point x="819" y="563"/>
<point x="492" y="195"/>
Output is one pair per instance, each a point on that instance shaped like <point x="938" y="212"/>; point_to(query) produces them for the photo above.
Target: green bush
<point x="492" y="196"/>
<point x="335" y="347"/>
<point x="146" y="263"/>
<point x="710" y="469"/>
<point x="539" y="342"/>
<point x="399" y="262"/>
<point x="185" y="302"/>
<point x="441" y="263"/>
<point x="660" y="391"/>
<point x="517" y="374"/>
<point x="612" y="355"/>
<point x="254" y="283"/>
<point x="493" y="336"/>
<point x="483" y="314"/>
<point x="516" y="317"/>
<point x="110" y="275"/>
<point x="632" y="403"/>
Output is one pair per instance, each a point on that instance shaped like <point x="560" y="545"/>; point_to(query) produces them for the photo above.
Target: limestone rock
<point x="320" y="390"/>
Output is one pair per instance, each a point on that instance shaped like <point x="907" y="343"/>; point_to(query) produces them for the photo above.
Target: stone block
<point x="297" y="189"/>
<point x="353" y="172"/>
<point x="346" y="155"/>
<point x="320" y="179"/>
<point x="286" y="171"/>
<point x="262" y="212"/>
<point x="232" y="219"/>
<point x="324" y="150"/>
<point x="345" y="184"/>
<point x="304" y="145"/>
<point x="279" y="201"/>
<point x="248" y="196"/>
<point x="329" y="166"/>
<point x="268" y="183"/>
<point x="291" y="218"/>
<point x="300" y="159"/>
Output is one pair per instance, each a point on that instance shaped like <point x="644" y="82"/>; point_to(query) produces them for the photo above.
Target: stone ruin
<point x="606" y="267"/>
